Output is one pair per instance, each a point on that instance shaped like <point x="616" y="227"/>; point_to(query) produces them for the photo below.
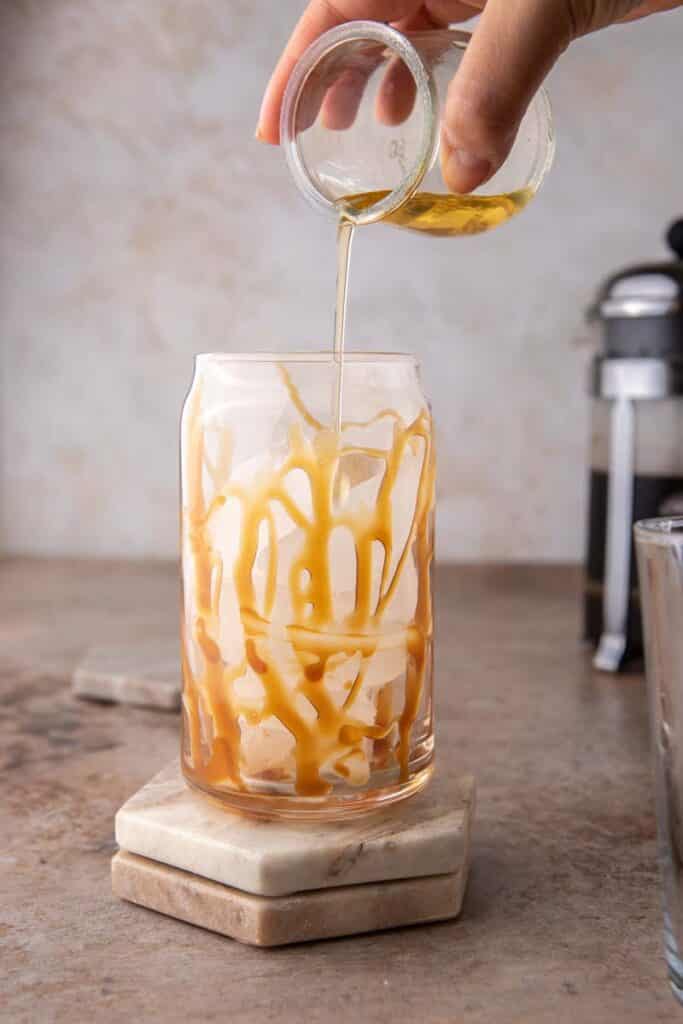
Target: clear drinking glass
<point x="306" y="555"/>
<point x="659" y="545"/>
<point x="360" y="126"/>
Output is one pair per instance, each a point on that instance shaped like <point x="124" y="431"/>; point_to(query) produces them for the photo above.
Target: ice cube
<point x="353" y="767"/>
<point x="267" y="750"/>
<point x="384" y="666"/>
<point x="379" y="434"/>
<point x="404" y="498"/>
<point x="248" y="692"/>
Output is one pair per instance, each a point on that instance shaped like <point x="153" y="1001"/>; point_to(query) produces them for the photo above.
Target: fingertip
<point x="268" y="123"/>
<point x="463" y="170"/>
<point x="396" y="96"/>
<point x="342" y="100"/>
<point x="264" y="135"/>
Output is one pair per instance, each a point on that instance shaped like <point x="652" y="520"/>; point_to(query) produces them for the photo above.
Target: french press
<point x="636" y="469"/>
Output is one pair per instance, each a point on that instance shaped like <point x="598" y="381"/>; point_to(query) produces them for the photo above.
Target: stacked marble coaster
<point x="142" y="672"/>
<point x="269" y="883"/>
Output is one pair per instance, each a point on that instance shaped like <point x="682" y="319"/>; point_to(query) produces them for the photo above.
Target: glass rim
<point x="663" y="530"/>
<point x="306" y="357"/>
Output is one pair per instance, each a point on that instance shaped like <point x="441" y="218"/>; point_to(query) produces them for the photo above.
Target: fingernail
<point x="258" y="134"/>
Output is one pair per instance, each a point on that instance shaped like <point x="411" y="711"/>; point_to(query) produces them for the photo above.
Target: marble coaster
<point x="143" y="672"/>
<point x="427" y="834"/>
<point x="276" y="921"/>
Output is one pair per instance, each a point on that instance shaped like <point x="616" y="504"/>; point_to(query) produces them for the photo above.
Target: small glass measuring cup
<point x="360" y="127"/>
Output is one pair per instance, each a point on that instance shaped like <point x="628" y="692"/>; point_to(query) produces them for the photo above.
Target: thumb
<point x="512" y="49"/>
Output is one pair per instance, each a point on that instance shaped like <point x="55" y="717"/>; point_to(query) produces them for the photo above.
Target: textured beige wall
<point x="140" y="222"/>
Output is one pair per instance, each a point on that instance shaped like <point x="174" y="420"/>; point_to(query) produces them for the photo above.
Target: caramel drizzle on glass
<point x="318" y="640"/>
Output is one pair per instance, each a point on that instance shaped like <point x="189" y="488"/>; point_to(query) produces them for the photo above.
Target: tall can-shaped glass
<point x="307" y="543"/>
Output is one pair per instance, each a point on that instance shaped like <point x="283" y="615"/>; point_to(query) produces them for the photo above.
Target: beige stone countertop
<point x="561" y="921"/>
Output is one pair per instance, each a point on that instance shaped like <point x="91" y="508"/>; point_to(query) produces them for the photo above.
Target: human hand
<point x="513" y="47"/>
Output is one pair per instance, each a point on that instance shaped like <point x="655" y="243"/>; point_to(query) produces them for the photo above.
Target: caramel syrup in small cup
<point x="446" y="214"/>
